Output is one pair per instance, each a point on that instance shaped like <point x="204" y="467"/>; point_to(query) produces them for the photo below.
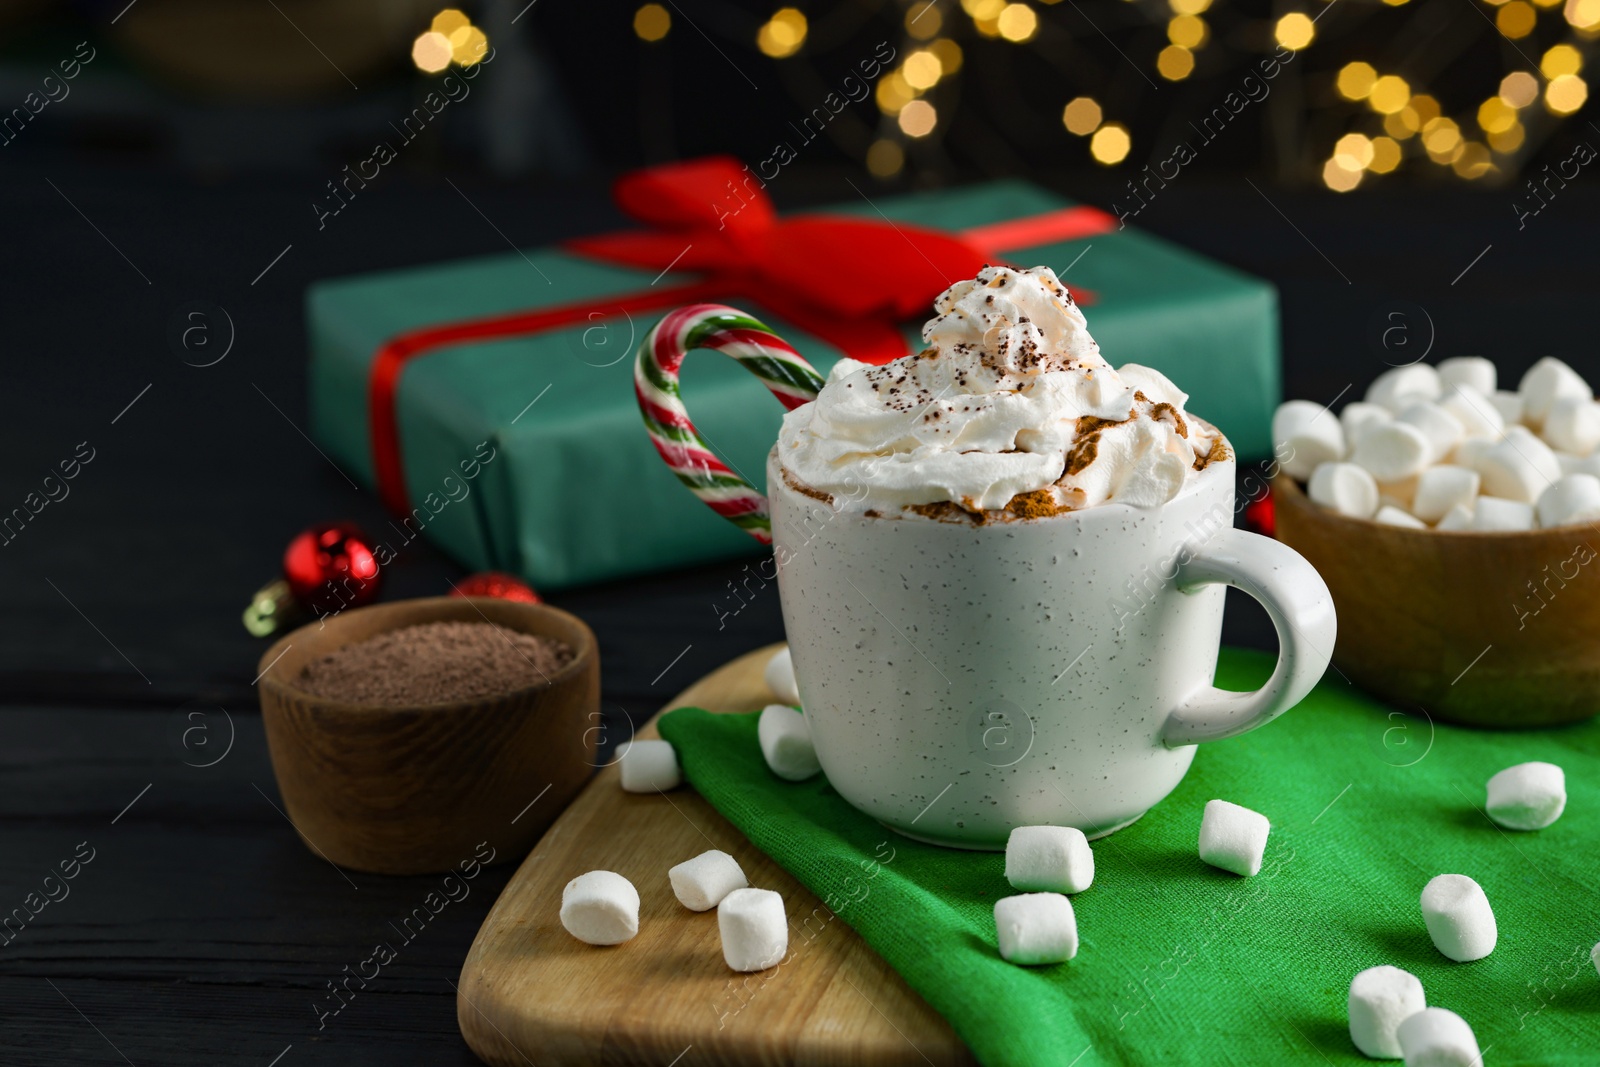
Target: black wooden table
<point x="197" y="929"/>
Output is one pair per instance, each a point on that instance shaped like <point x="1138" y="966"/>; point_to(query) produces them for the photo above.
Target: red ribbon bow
<point x="848" y="281"/>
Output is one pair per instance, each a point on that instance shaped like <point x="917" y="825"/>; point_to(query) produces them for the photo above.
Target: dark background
<point x="202" y="932"/>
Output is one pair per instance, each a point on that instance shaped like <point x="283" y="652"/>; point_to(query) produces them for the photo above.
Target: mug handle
<point x="1301" y="608"/>
<point x="655" y="381"/>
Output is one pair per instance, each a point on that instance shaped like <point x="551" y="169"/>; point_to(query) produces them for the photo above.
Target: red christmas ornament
<point x="326" y="569"/>
<point x="1261" y="516"/>
<point x="497" y="584"/>
<point x="332" y="563"/>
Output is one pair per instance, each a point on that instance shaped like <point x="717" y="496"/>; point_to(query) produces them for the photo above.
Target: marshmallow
<point x="1523" y="435"/>
<point x="1520" y="467"/>
<point x="1390" y="515"/>
<point x="649" y="767"/>
<point x="753" y="928"/>
<point x="1546" y="382"/>
<point x="1508" y="404"/>
<point x="1054" y="859"/>
<point x="701" y="883"/>
<point x="1398" y="494"/>
<point x="1476" y="372"/>
<point x="1345" y="488"/>
<point x="1381" y="998"/>
<point x="1478" y="417"/>
<point x="1457" y="519"/>
<point x="1436" y="1037"/>
<point x="1392" y="451"/>
<point x="1358" y="416"/>
<point x="1570" y="499"/>
<point x="1529" y="796"/>
<point x="600" y="907"/>
<point x="1395" y="388"/>
<point x="780" y="676"/>
<point x="1036" y="928"/>
<point x="1458" y="917"/>
<point x="1493" y="514"/>
<point x="1469" y="453"/>
<point x="1393" y="503"/>
<point x="1305" y="434"/>
<point x="1571" y="464"/>
<point x="1441" y="488"/>
<point x="1589" y="464"/>
<point x="1441" y="428"/>
<point x="1573" y="425"/>
<point x="786" y="743"/>
<point x="1233" y="838"/>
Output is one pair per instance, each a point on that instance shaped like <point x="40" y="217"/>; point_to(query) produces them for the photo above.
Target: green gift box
<point x="491" y="402"/>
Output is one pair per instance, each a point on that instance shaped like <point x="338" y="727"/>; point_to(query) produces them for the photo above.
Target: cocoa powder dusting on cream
<point x="1162" y="410"/>
<point x="949" y="511"/>
<point x="1083" y="452"/>
<point x="1039" y="504"/>
<point x="1088" y="424"/>
<point x="802" y="488"/>
<point x="1219" y="453"/>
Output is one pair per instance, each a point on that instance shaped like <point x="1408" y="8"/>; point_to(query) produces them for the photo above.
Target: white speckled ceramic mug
<point x="961" y="680"/>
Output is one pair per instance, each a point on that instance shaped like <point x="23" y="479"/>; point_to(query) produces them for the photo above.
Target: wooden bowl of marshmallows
<point x="1458" y="527"/>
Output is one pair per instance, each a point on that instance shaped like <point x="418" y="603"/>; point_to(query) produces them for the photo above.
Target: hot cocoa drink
<point x="1001" y="562"/>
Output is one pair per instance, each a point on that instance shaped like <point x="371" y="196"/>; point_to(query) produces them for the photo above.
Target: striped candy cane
<point x="655" y="380"/>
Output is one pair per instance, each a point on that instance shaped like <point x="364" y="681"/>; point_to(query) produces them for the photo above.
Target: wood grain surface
<point x="532" y="994"/>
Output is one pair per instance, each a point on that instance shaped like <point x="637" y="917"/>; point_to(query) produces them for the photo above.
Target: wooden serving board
<point x="531" y="994"/>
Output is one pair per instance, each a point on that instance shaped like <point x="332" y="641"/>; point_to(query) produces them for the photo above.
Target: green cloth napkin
<point x="1181" y="963"/>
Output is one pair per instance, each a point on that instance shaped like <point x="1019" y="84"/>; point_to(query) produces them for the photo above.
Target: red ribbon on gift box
<point x="849" y="281"/>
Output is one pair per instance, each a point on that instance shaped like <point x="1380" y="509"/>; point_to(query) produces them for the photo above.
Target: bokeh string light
<point x="450" y="38"/>
<point x="1017" y="23"/>
<point x="1175" y="62"/>
<point x="1492" y="138"/>
<point x="782" y="35"/>
<point x="1295" y="31"/>
<point x="1082" y="116"/>
<point x="1110" y="144"/>
<point x="1368" y="112"/>
<point x="652" y="22"/>
<point x="918" y="118"/>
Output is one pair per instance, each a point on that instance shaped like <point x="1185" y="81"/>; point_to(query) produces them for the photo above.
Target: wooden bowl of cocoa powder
<point x="404" y="736"/>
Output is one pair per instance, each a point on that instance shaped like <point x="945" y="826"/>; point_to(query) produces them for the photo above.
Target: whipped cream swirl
<point x="1011" y="397"/>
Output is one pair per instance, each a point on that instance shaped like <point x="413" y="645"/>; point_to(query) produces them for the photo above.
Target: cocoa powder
<point x="1219" y="454"/>
<point x="1037" y="504"/>
<point x="803" y="489"/>
<point x="433" y="663"/>
<point x="948" y="511"/>
<point x="1083" y="452"/>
